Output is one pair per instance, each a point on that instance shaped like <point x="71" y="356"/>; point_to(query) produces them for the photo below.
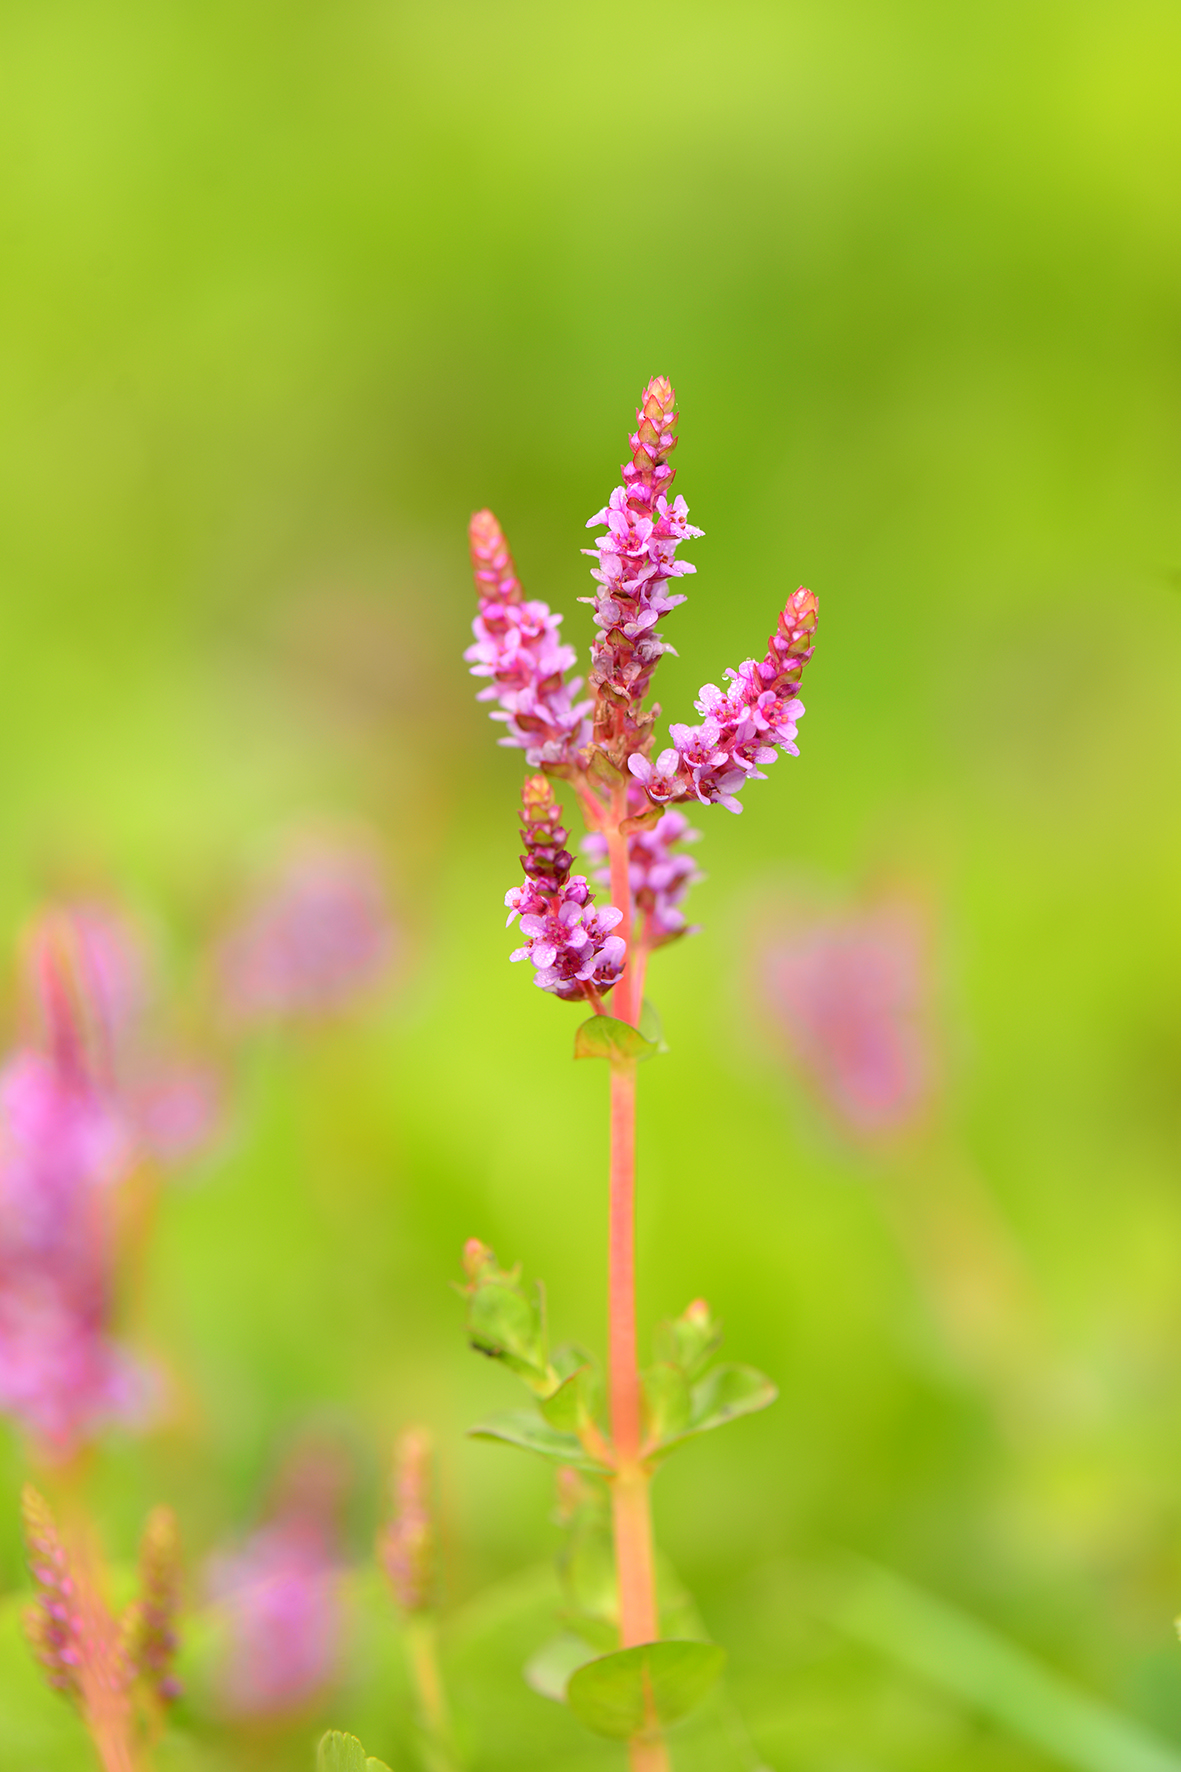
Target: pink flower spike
<point x="851" y="994"/>
<point x="317" y="937"/>
<point x="569" y="941"/>
<point x="636" y="561"/>
<point x="281" y="1598"/>
<point x="517" y="647"/>
<point x="742" y="726"/>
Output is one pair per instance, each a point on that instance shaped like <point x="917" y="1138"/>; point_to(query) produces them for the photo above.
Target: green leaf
<point x="651" y="1026"/>
<point x="604" y="1037"/>
<point x="571" y="1405"/>
<point x="637" y="1691"/>
<point x="723" y="1395"/>
<point x="667" y="1402"/>
<point x="343" y="1753"/>
<point x="520" y="1427"/>
<point x="507" y="1326"/>
<point x="549" y="1670"/>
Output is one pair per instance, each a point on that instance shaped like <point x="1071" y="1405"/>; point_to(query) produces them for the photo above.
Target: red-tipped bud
<point x="496" y="576"/>
<point x="476" y="1257"/>
<point x="793" y="642"/>
<point x="648" y="473"/>
<point x="546" y="858"/>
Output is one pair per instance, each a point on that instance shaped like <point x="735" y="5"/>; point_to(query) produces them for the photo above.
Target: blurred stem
<point x="422" y="1658"/>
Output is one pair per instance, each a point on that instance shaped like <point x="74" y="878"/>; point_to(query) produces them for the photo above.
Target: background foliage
<point x="289" y="291"/>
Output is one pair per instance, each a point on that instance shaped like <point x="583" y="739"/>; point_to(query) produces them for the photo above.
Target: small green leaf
<point x="604" y="1037"/>
<point x="727" y="1392"/>
<point x="721" y="1396"/>
<point x="690" y="1340"/>
<point x="651" y="1026"/>
<point x="571" y="1405"/>
<point x="343" y="1753"/>
<point x="637" y="1691"/>
<point x="667" y="1402"/>
<point x="519" y="1427"/>
<point x="549" y="1670"/>
<point x="507" y="1326"/>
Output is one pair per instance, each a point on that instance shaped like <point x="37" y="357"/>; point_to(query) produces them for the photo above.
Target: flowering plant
<point x="613" y="1668"/>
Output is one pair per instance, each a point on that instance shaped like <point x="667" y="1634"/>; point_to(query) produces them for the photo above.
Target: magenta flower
<point x="660" y="873"/>
<point x="742" y="725"/>
<point x="317" y="937"/>
<point x="281" y="1595"/>
<point x="568" y="940"/>
<point x="64" y="1143"/>
<point x="636" y="561"/>
<point x="281" y="1598"/>
<point x="851" y="995"/>
<point x="518" y="647"/>
<point x="622" y="792"/>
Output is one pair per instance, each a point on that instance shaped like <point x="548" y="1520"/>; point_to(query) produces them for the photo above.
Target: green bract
<point x="604" y="1037"/>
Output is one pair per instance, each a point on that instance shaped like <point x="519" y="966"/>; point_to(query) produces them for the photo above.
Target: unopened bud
<point x="149" y="1624"/>
<point x="406" y="1545"/>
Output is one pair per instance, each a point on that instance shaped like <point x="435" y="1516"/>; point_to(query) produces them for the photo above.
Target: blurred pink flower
<point x="518" y="646"/>
<point x="64" y="1141"/>
<point x="281" y="1593"/>
<point x="318" y="937"/>
<point x="851" y="993"/>
<point x="284" y="1612"/>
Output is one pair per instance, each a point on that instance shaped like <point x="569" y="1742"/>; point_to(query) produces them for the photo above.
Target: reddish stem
<point x="625" y="1377"/>
<point x="635" y="1565"/>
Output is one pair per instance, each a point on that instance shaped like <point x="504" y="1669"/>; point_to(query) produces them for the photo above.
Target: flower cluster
<point x="660" y="873"/>
<point x="742" y="725"/>
<point x="280" y="1595"/>
<point x="568" y="940"/>
<point x="94" y="1658"/>
<point x="317" y="936"/>
<point x="517" y="645"/>
<point x="850" y="993"/>
<point x="636" y="561"/>
<point x="64" y="1143"/>
<point x="608" y="759"/>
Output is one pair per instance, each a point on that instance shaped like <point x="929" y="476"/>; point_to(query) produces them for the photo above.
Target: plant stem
<point x="635" y="1564"/>
<point x="422" y="1656"/>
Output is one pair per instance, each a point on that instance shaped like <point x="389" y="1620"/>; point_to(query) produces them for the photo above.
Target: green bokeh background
<point x="288" y="291"/>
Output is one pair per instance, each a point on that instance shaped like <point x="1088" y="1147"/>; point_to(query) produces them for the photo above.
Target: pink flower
<point x="517" y="646"/>
<point x="281" y="1595"/>
<point x="636" y="561"/>
<point x="63" y="1143"/>
<point x="660" y="873"/>
<point x="851" y="995"/>
<point x="283" y="1607"/>
<point x="742" y="726"/>
<point x="317" y="937"/>
<point x="568" y="940"/>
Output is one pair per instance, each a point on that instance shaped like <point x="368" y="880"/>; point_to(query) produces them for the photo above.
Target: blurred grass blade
<point x="995" y="1676"/>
